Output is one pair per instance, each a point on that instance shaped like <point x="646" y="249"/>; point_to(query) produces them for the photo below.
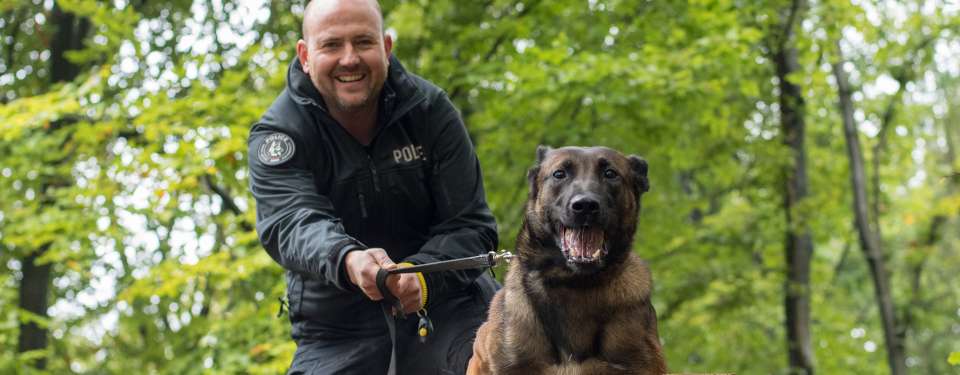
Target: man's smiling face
<point x="344" y="51"/>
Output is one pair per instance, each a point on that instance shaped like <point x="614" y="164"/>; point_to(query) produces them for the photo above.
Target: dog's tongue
<point x="583" y="242"/>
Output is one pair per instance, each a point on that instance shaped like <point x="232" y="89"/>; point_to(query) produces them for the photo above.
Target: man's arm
<point x="463" y="224"/>
<point x="298" y="228"/>
<point x="296" y="224"/>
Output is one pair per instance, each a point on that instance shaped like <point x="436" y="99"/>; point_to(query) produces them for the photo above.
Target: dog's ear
<point x="542" y="151"/>
<point x="534" y="171"/>
<point x="639" y="167"/>
<point x="532" y="181"/>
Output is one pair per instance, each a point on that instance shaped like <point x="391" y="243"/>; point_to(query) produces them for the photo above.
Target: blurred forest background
<point x="805" y="205"/>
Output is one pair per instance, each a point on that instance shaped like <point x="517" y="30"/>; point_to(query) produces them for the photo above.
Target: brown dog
<point x="576" y="299"/>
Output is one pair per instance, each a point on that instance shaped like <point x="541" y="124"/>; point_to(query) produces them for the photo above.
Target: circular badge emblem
<point x="276" y="149"/>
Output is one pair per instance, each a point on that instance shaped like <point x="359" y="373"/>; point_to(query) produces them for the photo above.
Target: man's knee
<point x="355" y="356"/>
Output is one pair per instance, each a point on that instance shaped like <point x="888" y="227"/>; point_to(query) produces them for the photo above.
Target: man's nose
<point x="350" y="56"/>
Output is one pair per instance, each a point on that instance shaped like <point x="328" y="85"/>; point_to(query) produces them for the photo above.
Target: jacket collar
<point x="399" y="94"/>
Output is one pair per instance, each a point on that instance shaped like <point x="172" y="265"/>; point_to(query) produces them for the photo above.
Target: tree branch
<point x="226" y="198"/>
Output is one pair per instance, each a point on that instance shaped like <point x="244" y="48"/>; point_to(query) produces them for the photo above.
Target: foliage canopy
<point x="129" y="178"/>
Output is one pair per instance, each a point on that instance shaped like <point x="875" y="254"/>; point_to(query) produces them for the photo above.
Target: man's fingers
<point x="368" y="284"/>
<point x="363" y="269"/>
<point x="393" y="284"/>
<point x="406" y="288"/>
<point x="372" y="292"/>
<point x="408" y="292"/>
<point x="380" y="256"/>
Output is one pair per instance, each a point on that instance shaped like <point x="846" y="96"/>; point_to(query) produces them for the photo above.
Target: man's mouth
<point x="347" y="78"/>
<point x="585" y="244"/>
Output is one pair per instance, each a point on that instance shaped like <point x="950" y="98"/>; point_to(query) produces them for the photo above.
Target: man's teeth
<point x="350" y="78"/>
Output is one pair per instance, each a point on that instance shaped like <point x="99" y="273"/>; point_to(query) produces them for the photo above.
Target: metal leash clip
<point x="500" y="256"/>
<point x="495" y="258"/>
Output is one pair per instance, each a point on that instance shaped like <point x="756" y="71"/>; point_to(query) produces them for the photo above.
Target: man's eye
<point x="610" y="173"/>
<point x="559" y="174"/>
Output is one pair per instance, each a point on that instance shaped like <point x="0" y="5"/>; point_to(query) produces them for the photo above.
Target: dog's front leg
<point x="637" y="347"/>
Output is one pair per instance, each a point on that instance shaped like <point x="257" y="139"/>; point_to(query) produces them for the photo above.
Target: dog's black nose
<point x="584" y="204"/>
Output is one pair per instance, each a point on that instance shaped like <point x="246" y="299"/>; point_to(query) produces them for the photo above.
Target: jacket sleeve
<point x="295" y="223"/>
<point x="462" y="225"/>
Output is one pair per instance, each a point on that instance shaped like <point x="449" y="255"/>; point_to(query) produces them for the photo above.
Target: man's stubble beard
<point x="359" y="106"/>
<point x="342" y="106"/>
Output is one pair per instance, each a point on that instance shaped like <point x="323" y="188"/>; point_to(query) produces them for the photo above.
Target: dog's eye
<point x="610" y="173"/>
<point x="559" y="174"/>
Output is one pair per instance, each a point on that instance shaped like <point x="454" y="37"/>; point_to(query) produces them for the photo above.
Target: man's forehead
<point x="345" y="33"/>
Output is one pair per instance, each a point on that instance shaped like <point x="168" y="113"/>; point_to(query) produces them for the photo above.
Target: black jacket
<point x="415" y="191"/>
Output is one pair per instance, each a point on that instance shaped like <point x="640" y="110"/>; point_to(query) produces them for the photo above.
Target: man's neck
<point x="361" y="124"/>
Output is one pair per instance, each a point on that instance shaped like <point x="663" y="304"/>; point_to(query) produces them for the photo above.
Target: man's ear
<point x="639" y="168"/>
<point x="534" y="172"/>
<point x="303" y="56"/>
<point x="387" y="45"/>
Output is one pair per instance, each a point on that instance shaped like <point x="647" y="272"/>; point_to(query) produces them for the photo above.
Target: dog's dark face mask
<point x="582" y="210"/>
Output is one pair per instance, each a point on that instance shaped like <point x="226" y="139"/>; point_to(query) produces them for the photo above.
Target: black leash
<point x="425" y="327"/>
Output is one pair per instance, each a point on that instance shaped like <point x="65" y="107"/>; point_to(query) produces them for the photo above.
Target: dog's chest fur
<point x="569" y="324"/>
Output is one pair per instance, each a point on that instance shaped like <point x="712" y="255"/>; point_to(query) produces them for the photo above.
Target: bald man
<point x="356" y="166"/>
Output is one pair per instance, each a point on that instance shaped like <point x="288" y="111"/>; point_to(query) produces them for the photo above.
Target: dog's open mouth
<point x="582" y="245"/>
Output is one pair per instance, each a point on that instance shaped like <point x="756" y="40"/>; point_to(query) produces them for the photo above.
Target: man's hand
<point x="407" y="289"/>
<point x="362" y="267"/>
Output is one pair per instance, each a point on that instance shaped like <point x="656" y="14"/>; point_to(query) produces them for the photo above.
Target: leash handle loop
<point x="388" y="298"/>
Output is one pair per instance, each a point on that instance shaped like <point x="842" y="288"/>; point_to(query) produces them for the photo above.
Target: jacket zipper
<point x="373" y="172"/>
<point x="363" y="206"/>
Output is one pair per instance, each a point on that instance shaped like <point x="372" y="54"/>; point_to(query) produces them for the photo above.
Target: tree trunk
<point x="35" y="285"/>
<point x="949" y="132"/>
<point x="799" y="244"/>
<point x="34" y="288"/>
<point x="869" y="241"/>
<point x="70" y="32"/>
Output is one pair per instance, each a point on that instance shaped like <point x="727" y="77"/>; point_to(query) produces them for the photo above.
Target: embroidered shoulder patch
<point x="276" y="149"/>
